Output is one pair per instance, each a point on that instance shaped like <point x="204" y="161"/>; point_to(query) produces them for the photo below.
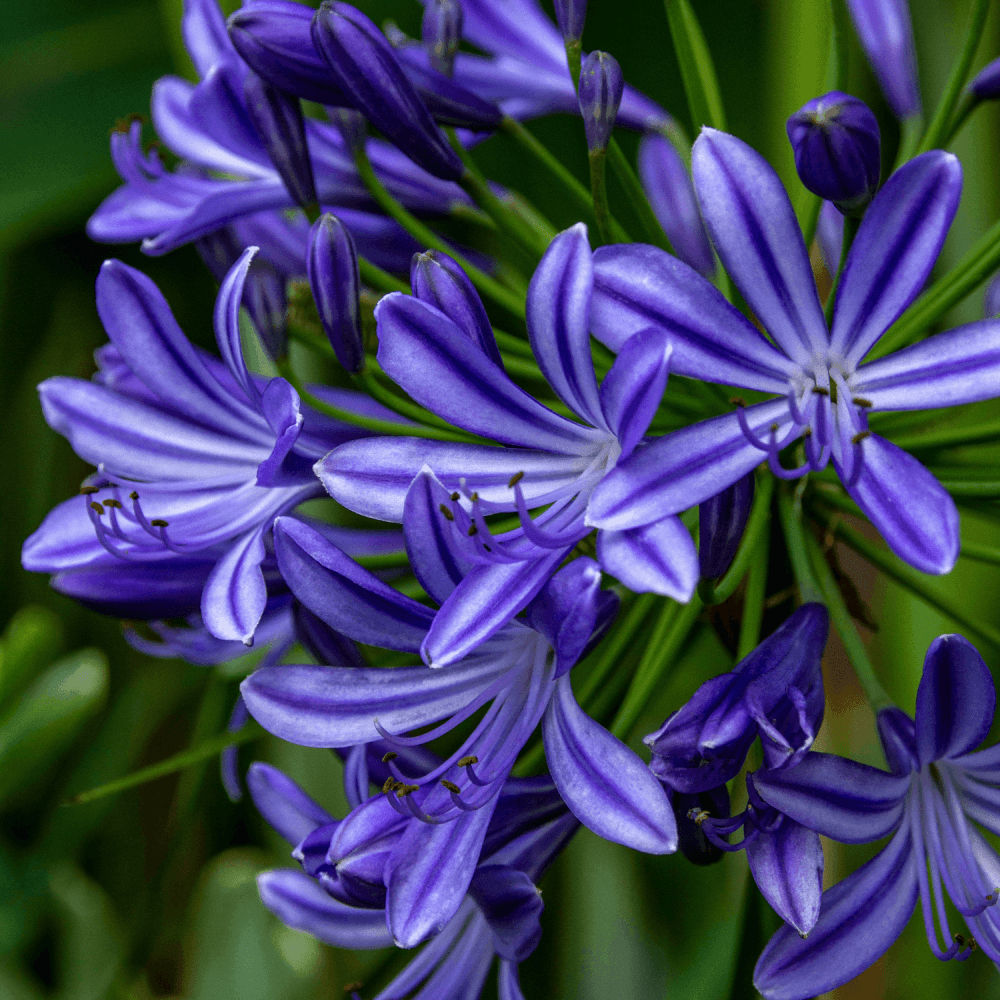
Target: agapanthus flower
<point x="345" y="892"/>
<point x="521" y="673"/>
<point x="933" y="801"/>
<point x="886" y="35"/>
<point x="195" y="458"/>
<point x="825" y="393"/>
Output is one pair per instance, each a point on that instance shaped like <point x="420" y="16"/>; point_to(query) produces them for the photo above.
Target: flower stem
<point x="381" y="281"/>
<point x="599" y="194"/>
<point x="697" y="70"/>
<point x="574" y="52"/>
<point x="954" y="437"/>
<point x="795" y="538"/>
<point x="851" y="224"/>
<point x="651" y="228"/>
<point x="753" y="599"/>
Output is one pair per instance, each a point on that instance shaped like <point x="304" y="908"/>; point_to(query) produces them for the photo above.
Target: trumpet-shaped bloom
<point x="824" y="392"/>
<point x="933" y="801"/>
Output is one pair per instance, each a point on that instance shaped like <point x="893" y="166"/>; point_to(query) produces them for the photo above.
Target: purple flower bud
<point x="332" y="266"/>
<point x="437" y="279"/>
<point x="277" y="118"/>
<point x="601" y="86"/>
<point x="570" y="15"/>
<point x="722" y="519"/>
<point x="991" y="300"/>
<point x="986" y="83"/>
<point x="441" y="31"/>
<point x="837" y="149"/>
<point x="668" y="187"/>
<point x="365" y="66"/>
<point x="886" y="35"/>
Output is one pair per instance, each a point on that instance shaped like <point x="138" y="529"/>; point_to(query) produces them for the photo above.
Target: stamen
<point x="861" y="401"/>
<point x="389" y="784"/>
<point x="860" y="436"/>
<point x="466" y="761"/>
<point x="87" y="490"/>
<point x="820" y="391"/>
<point x="96" y="507"/>
<point x="447" y="513"/>
<point x="403" y="790"/>
<point x="473" y="530"/>
<point x="455" y="496"/>
<point x="698" y="815"/>
<point x="390" y="755"/>
<point x="515" y="479"/>
<point x="158" y="522"/>
<point x="133" y="495"/>
<point x="450" y="785"/>
<point x="738" y="401"/>
<point x="112" y="503"/>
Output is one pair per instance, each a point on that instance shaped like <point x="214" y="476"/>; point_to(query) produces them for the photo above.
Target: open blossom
<point x="939" y="792"/>
<point x="825" y="392"/>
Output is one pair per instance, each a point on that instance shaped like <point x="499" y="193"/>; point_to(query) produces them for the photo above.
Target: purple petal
<point x="435" y="362"/>
<point x="229" y="758"/>
<point x="631" y="391"/>
<point x="894" y="251"/>
<point x="839" y="798"/>
<point x="559" y="322"/>
<point x="638" y="286"/>
<point x="281" y="409"/>
<point x="830" y="236"/>
<point x="897" y="734"/>
<point x="283" y="804"/>
<point x="345" y="595"/>
<point x="204" y="32"/>
<point x="332" y="266"/>
<point x="298" y="901"/>
<point x="235" y="593"/>
<point x="658" y="558"/>
<point x="512" y="907"/>
<point x="722" y="519"/>
<point x="859" y="919"/>
<point x="909" y="507"/>
<point x="958" y="366"/>
<point x="509" y="982"/>
<point x="886" y="35"/>
<point x="955" y="702"/>
<point x="606" y="786"/>
<point x="675" y="472"/>
<point x="758" y="238"/>
<point x="787" y="866"/>
<point x="372" y="477"/>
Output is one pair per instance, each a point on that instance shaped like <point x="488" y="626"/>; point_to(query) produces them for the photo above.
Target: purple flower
<point x="721" y="520"/>
<point x="886" y="35"/>
<point x="823" y="391"/>
<point x="441" y="362"/>
<point x="195" y="459"/>
<point x="837" y="149"/>
<point x="931" y="802"/>
<point x="570" y="16"/>
<point x="601" y="86"/>
<point x="986" y="83"/>
<point x="349" y="890"/>
<point x="521" y="673"/>
<point x="441" y="33"/>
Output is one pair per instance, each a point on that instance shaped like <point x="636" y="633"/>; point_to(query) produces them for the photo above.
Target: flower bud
<point x="722" y="519"/>
<point x="986" y="83"/>
<point x="277" y="119"/>
<point x="668" y="187"/>
<point x="886" y="35"/>
<point x="441" y="31"/>
<point x="435" y="278"/>
<point x="332" y="266"/>
<point x="601" y="87"/>
<point x="837" y="149"/>
<point x="365" y="66"/>
<point x="570" y="15"/>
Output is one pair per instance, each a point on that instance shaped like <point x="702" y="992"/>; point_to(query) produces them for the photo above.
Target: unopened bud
<point x="570" y="15"/>
<point x="601" y="87"/>
<point x="722" y="519"/>
<point x="985" y="84"/>
<point x="441" y="31"/>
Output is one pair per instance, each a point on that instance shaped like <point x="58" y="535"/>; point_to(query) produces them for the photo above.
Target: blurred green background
<point x="152" y="893"/>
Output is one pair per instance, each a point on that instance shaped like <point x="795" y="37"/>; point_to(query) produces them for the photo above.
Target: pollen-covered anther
<point x="698" y="815"/>
<point x="389" y="784"/>
<point x="447" y="513"/>
<point x="738" y="401"/>
<point x="158" y="522"/>
<point x="112" y="503"/>
<point x="861" y="401"/>
<point x="860" y="436"/>
<point x="455" y="496"/>
<point x="450" y="785"/>
<point x="473" y="529"/>
<point x="95" y="506"/>
<point x="474" y="497"/>
<point x="403" y="790"/>
<point x="133" y="495"/>
<point x="959" y="940"/>
<point x="466" y="761"/>
<point x="514" y="480"/>
<point x="87" y="490"/>
<point x="390" y="755"/>
<point x="820" y="391"/>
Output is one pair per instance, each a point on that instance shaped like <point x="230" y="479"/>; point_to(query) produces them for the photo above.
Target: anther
<point x="403" y="790"/>
<point x="447" y="513"/>
<point x="959" y="940"/>
<point x="474" y="498"/>
<point x="391" y="755"/>
<point x="450" y="785"/>
<point x="466" y="761"/>
<point x="158" y="522"/>
<point x="738" y="401"/>
<point x="861" y="401"/>
<point x="972" y="944"/>
<point x="455" y="496"/>
<point x="87" y="490"/>
<point x="774" y="428"/>
<point x="133" y="495"/>
<point x="860" y="436"/>
<point x="112" y="503"/>
<point x="807" y="433"/>
<point x="698" y="815"/>
<point x="820" y="391"/>
<point x="515" y="479"/>
<point x="473" y="529"/>
<point x="389" y="784"/>
<point x="94" y="505"/>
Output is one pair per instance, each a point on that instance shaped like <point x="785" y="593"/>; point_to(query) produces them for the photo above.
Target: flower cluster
<point x="485" y="521"/>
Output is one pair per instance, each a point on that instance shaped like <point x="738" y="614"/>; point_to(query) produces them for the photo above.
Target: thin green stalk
<point x="579" y="194"/>
<point x="976" y="489"/>
<point x="757" y="525"/>
<point x="599" y="194"/>
<point x="857" y="655"/>
<point x="314" y="341"/>
<point x="517" y="345"/>
<point x="664" y="645"/>
<point x="422" y="234"/>
<point x="841" y="36"/>
<point x="980" y="553"/>
<point x="753" y="599"/>
<point x="790" y="510"/>
<point x="697" y="70"/>
<point x="810" y="219"/>
<point x="851" y="224"/>
<point x="954" y="437"/>
<point x="912" y="579"/>
<point x="385" y="560"/>
<point x="937" y="131"/>
<point x="184" y="759"/>
<point x="912" y="129"/>
<point x="574" y="53"/>
<point x="636" y="194"/>
<point x="967" y="103"/>
<point x="380" y="280"/>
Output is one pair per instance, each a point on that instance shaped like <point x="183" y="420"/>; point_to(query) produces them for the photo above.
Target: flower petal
<point x="859" y="919"/>
<point x="895" y="248"/>
<point x="283" y="804"/>
<point x="756" y="234"/>
<point x="204" y="32"/>
<point x="910" y="508"/>
<point x="298" y="901"/>
<point x="637" y="286"/>
<point x="606" y="786"/>
<point x="658" y="558"/>
<point x="839" y="798"/>
<point x="955" y="702"/>
<point x="512" y="907"/>
<point x="235" y="593"/>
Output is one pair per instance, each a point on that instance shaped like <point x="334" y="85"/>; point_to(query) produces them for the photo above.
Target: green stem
<point x="967" y="103"/>
<point x="312" y="340"/>
<point x="757" y="525"/>
<point x="178" y="762"/>
<point x="380" y="280"/>
<point x="795" y="538"/>
<point x="841" y="22"/>
<point x="753" y="599"/>
<point x="599" y="194"/>
<point x="664" y="646"/>
<point x="810" y="219"/>
<point x="636" y="194"/>
<point x="912" y="579"/>
<point x="576" y="191"/>
<point x="954" y="437"/>
<point x="856" y="652"/>
<point x="911" y="130"/>
<point x="851" y="224"/>
<point x="937" y="132"/>
<point x="574" y="52"/>
<point x="981" y="553"/>
<point x="697" y="71"/>
<point x="423" y="235"/>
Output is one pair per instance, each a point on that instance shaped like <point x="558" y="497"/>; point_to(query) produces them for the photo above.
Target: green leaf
<point x="30" y="642"/>
<point x="697" y="69"/>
